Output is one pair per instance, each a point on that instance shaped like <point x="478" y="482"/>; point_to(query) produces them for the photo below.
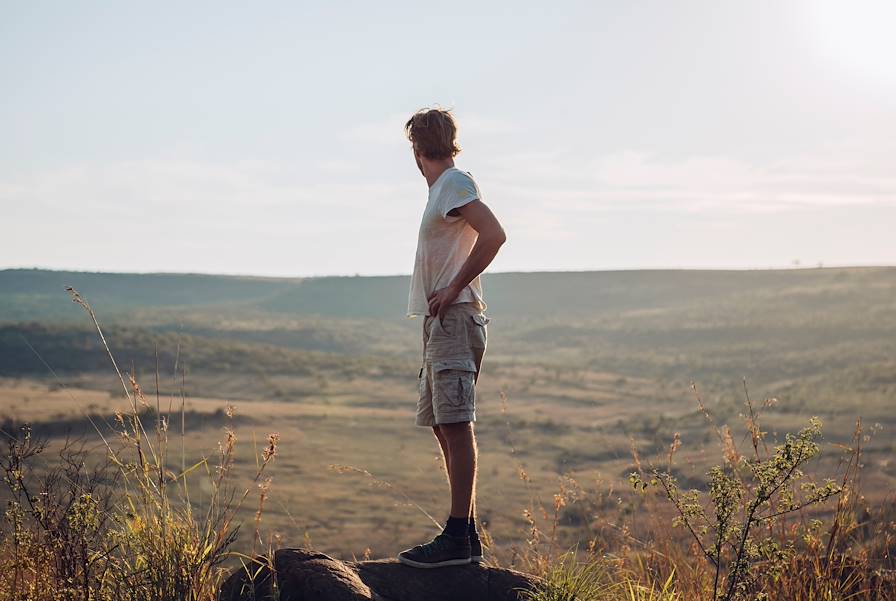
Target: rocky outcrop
<point x="304" y="575"/>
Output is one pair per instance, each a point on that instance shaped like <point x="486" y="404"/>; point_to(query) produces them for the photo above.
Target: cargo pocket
<point x="454" y="382"/>
<point x="479" y="332"/>
<point x="481" y="319"/>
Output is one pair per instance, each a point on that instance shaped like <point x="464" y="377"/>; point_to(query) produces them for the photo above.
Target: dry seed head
<point x="226" y="447"/>
<point x="271" y="449"/>
<point x="559" y="502"/>
<point x="676" y="442"/>
<point x="731" y="454"/>
<point x="76" y="296"/>
<point x="138" y="392"/>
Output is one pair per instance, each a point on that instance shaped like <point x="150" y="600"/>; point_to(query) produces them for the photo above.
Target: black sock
<point x="472" y="527"/>
<point x="455" y="526"/>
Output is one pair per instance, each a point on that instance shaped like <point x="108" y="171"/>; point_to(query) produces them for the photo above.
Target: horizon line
<point x="798" y="267"/>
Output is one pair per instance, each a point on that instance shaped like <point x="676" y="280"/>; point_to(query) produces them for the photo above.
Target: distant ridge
<point x="38" y="294"/>
<point x="832" y="324"/>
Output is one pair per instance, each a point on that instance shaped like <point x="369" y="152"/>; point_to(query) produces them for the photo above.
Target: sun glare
<point x="858" y="34"/>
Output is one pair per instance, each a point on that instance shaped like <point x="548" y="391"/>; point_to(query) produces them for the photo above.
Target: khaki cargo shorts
<point x="452" y="356"/>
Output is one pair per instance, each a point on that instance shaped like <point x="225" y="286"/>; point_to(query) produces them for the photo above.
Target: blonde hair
<point x="432" y="131"/>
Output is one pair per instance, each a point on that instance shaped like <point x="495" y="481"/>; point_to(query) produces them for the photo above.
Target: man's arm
<point x="491" y="237"/>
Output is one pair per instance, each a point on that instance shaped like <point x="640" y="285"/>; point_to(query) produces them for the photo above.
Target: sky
<point x="267" y="138"/>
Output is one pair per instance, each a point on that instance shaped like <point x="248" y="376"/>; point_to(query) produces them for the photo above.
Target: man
<point x="459" y="236"/>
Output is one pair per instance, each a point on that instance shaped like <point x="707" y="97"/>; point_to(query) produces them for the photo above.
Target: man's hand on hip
<point x="441" y="299"/>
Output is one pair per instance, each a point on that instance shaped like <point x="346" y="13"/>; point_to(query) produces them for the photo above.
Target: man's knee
<point x="455" y="431"/>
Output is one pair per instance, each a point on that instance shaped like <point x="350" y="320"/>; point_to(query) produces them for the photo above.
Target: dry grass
<point x="128" y="527"/>
<point x="560" y="442"/>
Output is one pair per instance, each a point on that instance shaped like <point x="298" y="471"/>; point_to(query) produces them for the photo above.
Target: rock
<point x="252" y="582"/>
<point x="304" y="575"/>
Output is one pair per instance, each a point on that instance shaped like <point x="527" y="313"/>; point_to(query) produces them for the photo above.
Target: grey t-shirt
<point x="444" y="242"/>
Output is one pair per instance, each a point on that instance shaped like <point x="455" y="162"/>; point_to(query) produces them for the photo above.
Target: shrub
<point x="125" y="529"/>
<point x="735" y="528"/>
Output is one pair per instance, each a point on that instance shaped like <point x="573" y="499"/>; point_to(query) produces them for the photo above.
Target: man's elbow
<point x="497" y="238"/>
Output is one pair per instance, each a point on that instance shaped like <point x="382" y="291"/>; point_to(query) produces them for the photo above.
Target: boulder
<point x="305" y="575"/>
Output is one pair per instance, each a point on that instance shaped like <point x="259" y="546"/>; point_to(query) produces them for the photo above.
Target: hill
<point x="769" y="325"/>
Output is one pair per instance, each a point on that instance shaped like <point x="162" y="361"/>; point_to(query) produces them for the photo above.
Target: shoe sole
<point x="476" y="559"/>
<point x="437" y="564"/>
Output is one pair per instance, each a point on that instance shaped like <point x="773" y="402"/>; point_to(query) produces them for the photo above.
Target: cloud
<point x="550" y="183"/>
<point x="640" y="180"/>
<point x="342" y="214"/>
<point x="270" y="193"/>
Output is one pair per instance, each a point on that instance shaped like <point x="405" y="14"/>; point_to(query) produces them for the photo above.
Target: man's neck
<point x="436" y="169"/>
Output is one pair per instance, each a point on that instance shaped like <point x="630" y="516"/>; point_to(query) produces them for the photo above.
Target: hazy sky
<point x="266" y="138"/>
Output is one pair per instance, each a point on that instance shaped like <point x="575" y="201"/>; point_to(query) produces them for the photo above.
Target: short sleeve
<point x="460" y="190"/>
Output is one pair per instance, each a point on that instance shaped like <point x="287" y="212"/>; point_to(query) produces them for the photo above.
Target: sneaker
<point x="443" y="550"/>
<point x="475" y="549"/>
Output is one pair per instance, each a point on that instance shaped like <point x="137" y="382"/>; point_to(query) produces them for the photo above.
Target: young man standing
<point x="459" y="236"/>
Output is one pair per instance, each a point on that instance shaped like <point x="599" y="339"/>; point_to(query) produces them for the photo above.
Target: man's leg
<point x="443" y="444"/>
<point x="454" y="546"/>
<point x="454" y="398"/>
<point x="461" y="461"/>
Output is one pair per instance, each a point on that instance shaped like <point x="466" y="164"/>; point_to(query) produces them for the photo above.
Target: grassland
<point x="581" y="369"/>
